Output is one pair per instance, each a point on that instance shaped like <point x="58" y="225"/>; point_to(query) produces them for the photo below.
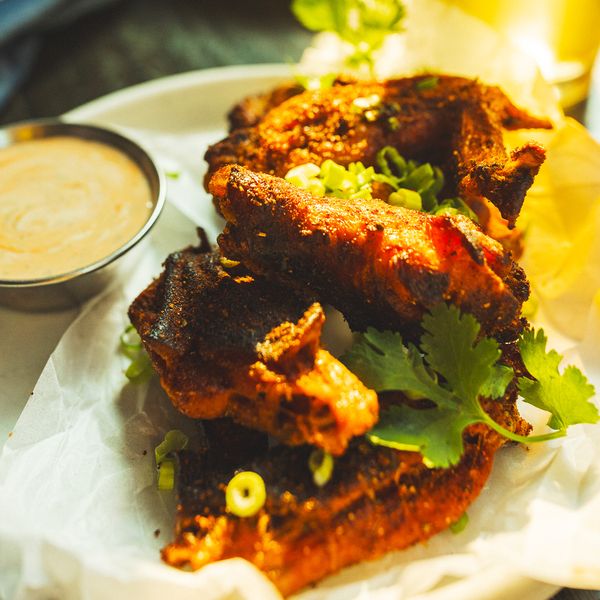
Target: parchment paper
<point x="80" y="515"/>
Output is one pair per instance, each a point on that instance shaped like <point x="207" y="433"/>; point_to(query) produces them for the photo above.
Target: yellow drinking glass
<point x="561" y="35"/>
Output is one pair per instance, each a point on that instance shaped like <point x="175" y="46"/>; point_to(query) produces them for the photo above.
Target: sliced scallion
<point x="320" y="464"/>
<point x="173" y="441"/>
<point x="245" y="494"/>
<point x="460" y="524"/>
<point x="415" y="185"/>
<point x="427" y="83"/>
<point x="166" y="461"/>
<point x="131" y="346"/>
<point x="406" y="199"/>
<point x="130" y="341"/>
<point x="139" y="369"/>
<point x="166" y="474"/>
<point x="334" y="176"/>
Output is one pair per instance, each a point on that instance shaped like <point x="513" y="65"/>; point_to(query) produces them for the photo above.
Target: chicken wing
<point x="454" y="122"/>
<point x="252" y="109"/>
<point x="377" y="500"/>
<point x="226" y="343"/>
<point x="380" y="265"/>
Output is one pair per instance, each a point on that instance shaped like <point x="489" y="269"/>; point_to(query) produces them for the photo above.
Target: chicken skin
<point x="226" y="343"/>
<point x="380" y="265"/>
<point x="453" y="122"/>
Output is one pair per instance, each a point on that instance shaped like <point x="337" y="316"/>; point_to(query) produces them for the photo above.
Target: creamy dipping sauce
<point x="66" y="203"/>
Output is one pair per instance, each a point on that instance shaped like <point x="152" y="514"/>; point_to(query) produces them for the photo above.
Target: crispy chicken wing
<point x="380" y="265"/>
<point x="252" y="109"/>
<point x="377" y="500"/>
<point x="450" y="121"/>
<point x="226" y="343"/>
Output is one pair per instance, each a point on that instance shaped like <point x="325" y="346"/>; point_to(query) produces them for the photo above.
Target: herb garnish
<point x="453" y="368"/>
<point x="415" y="185"/>
<point x="245" y="494"/>
<point x="131" y="346"/>
<point x="362" y="23"/>
<point x="427" y="83"/>
<point x="321" y="465"/>
<point x="165" y="457"/>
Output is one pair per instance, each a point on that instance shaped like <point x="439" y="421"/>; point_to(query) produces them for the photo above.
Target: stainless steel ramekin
<point x="69" y="289"/>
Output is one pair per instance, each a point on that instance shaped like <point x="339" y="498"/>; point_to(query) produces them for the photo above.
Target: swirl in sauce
<point x="66" y="203"/>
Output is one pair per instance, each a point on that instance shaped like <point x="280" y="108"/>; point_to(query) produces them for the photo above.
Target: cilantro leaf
<point x="539" y="363"/>
<point x="383" y="363"/>
<point x="565" y="395"/>
<point x="436" y="433"/>
<point x="495" y="386"/>
<point x="451" y="349"/>
<point x="454" y="368"/>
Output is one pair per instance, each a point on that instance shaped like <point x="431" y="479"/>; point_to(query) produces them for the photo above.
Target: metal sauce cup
<point x="70" y="289"/>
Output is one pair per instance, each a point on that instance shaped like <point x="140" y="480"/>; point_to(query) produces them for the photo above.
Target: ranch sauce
<point x="65" y="203"/>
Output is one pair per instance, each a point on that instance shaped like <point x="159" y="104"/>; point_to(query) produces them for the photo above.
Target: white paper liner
<point x="80" y="513"/>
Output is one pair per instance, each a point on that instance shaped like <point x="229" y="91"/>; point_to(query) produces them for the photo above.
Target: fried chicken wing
<point x="380" y="265"/>
<point x="456" y="123"/>
<point x="226" y="343"/>
<point x="377" y="500"/>
<point x="252" y="109"/>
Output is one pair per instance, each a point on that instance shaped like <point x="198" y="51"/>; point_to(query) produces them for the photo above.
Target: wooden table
<point x="138" y="40"/>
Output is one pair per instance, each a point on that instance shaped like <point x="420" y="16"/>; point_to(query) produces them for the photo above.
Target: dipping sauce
<point x="66" y="203"/>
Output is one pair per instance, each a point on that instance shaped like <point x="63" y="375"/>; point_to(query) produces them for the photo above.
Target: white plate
<point x="191" y="108"/>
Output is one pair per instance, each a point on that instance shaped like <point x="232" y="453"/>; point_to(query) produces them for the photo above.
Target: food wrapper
<point x="81" y="516"/>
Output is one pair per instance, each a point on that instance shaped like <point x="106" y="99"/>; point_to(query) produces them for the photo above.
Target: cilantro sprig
<point x="362" y="23"/>
<point x="453" y="368"/>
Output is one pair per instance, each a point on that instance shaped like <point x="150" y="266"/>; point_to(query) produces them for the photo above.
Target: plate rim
<point x="176" y="82"/>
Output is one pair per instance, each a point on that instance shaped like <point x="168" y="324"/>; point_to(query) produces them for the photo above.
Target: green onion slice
<point x="321" y="465"/>
<point x="415" y="185"/>
<point x="427" y="83"/>
<point x="406" y="199"/>
<point x="131" y="346"/>
<point x="460" y="524"/>
<point x="130" y="341"/>
<point x="391" y="163"/>
<point x="245" y="494"/>
<point x="166" y="474"/>
<point x="139" y="369"/>
<point x="174" y="440"/>
<point x="165" y="461"/>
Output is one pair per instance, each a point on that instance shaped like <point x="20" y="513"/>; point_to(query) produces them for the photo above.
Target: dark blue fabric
<point x="21" y="24"/>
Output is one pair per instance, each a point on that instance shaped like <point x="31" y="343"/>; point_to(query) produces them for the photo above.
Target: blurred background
<point x="58" y="54"/>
